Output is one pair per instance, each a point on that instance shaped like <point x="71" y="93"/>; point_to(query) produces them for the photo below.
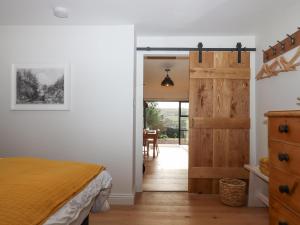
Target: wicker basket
<point x="233" y="192"/>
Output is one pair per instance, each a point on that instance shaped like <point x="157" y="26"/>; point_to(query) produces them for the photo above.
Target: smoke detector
<point x="60" y="12"/>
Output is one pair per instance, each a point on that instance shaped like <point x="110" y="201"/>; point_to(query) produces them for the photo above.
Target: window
<point x="183" y="123"/>
<point x="170" y="119"/>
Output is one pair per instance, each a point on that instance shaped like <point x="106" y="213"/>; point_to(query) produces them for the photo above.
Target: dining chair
<point x="145" y="145"/>
<point x="151" y="138"/>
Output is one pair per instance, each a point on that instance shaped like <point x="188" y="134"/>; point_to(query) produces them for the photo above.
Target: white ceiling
<point x="152" y="17"/>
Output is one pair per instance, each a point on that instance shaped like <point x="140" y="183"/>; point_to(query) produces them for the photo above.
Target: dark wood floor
<point x="179" y="208"/>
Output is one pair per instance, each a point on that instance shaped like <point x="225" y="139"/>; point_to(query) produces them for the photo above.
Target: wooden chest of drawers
<point x="284" y="153"/>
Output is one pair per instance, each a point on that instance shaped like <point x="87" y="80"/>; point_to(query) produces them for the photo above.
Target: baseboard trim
<point x="121" y="199"/>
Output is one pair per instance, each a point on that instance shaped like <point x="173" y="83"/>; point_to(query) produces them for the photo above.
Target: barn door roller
<point x="239" y="50"/>
<point x="200" y="48"/>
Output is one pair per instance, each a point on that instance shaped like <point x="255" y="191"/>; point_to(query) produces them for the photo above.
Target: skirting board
<point x="121" y="199"/>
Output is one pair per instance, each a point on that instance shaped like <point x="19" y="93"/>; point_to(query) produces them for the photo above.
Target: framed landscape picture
<point x="40" y="87"/>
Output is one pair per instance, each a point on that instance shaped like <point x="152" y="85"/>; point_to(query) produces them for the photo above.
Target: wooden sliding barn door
<point x="219" y="119"/>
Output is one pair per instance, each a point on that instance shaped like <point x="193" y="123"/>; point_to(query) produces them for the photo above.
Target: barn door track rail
<point x="239" y="48"/>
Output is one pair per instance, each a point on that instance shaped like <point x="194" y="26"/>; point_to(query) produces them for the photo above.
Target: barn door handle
<point x="283" y="157"/>
<point x="283" y="128"/>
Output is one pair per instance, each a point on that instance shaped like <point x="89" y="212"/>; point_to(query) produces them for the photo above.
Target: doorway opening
<point x="219" y="100"/>
<point x="166" y="115"/>
<point x="170" y="119"/>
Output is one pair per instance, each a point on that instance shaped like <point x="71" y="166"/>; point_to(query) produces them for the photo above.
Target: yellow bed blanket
<point x="32" y="189"/>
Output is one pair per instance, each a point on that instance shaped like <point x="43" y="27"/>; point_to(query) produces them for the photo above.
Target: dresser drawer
<point x="285" y="128"/>
<point x="286" y="188"/>
<point x="285" y="157"/>
<point x="279" y="215"/>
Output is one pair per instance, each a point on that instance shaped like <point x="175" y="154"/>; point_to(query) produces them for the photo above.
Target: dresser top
<point x="289" y="113"/>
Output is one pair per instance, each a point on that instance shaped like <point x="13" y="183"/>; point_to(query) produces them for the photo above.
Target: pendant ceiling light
<point x="167" y="81"/>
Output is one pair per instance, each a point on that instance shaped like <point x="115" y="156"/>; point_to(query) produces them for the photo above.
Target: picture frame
<point x="40" y="87"/>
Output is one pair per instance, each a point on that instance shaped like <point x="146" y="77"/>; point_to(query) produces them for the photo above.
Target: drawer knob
<point x="283" y="157"/>
<point x="282" y="223"/>
<point x="284" y="189"/>
<point x="283" y="128"/>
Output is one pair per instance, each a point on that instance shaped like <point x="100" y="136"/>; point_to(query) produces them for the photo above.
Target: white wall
<point x="276" y="93"/>
<point x="188" y="41"/>
<point x="99" y="126"/>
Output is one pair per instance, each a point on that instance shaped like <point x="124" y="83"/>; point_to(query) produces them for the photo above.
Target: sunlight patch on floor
<point x="168" y="171"/>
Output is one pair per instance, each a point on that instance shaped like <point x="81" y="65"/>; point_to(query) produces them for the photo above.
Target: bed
<point x="92" y="199"/>
<point x="74" y="210"/>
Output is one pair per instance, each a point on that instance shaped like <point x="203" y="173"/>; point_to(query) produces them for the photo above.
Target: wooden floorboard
<point x="168" y="171"/>
<point x="179" y="208"/>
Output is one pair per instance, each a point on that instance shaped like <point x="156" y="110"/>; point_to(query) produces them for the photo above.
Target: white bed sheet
<point x="97" y="191"/>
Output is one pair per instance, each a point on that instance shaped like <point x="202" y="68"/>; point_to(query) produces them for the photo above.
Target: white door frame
<point x="180" y="41"/>
<point x="139" y="111"/>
